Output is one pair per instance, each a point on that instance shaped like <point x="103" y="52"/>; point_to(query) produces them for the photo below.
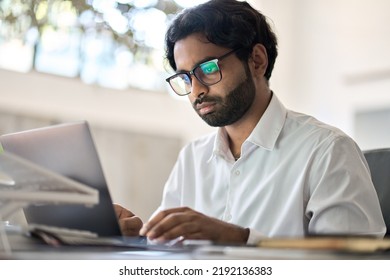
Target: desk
<point x="27" y="248"/>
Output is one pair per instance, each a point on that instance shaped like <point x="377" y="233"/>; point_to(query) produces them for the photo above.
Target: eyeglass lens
<point x="207" y="73"/>
<point x="181" y="83"/>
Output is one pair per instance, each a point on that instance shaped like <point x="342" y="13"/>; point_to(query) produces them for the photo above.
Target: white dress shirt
<point x="296" y="176"/>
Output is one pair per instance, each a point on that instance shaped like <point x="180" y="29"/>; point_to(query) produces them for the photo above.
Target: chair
<point x="379" y="162"/>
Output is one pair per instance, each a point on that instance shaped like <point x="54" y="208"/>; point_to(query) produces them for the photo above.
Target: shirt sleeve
<point x="254" y="237"/>
<point x="342" y="197"/>
<point x="173" y="187"/>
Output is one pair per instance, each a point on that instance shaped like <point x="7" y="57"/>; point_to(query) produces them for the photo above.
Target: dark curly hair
<point x="227" y="23"/>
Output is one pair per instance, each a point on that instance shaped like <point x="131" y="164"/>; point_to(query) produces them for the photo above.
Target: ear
<point x="258" y="60"/>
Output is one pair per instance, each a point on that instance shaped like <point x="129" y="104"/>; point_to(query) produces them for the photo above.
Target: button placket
<point x="234" y="182"/>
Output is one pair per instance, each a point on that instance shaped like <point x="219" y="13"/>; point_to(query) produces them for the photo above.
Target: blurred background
<point x="103" y="61"/>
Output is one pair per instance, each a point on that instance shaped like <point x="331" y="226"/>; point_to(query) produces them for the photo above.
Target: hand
<point x="129" y="223"/>
<point x="189" y="224"/>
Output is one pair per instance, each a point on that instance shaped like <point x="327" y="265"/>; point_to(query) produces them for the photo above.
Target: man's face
<point x="226" y="102"/>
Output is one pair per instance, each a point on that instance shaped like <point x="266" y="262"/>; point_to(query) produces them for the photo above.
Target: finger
<point x="130" y="226"/>
<point x="185" y="230"/>
<point x="174" y="225"/>
<point x="197" y="235"/>
<point x="122" y="212"/>
<point x="159" y="217"/>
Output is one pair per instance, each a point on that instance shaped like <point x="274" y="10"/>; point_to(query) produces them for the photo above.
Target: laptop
<point x="67" y="149"/>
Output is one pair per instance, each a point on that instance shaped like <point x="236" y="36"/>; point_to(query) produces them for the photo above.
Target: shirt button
<point x="237" y="172"/>
<point x="228" y="217"/>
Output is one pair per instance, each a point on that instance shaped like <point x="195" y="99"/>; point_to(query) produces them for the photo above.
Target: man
<point x="267" y="171"/>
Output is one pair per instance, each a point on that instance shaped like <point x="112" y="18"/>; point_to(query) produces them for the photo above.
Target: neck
<point x="240" y="130"/>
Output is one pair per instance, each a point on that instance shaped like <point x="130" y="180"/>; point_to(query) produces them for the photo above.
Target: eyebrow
<point x="196" y="64"/>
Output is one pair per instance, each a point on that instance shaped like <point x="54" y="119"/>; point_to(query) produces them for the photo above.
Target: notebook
<point x="67" y="149"/>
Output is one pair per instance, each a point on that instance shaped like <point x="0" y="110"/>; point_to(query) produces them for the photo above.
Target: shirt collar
<point x="221" y="144"/>
<point x="264" y="135"/>
<point x="268" y="129"/>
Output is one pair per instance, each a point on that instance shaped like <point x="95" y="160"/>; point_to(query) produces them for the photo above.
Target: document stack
<point x="23" y="183"/>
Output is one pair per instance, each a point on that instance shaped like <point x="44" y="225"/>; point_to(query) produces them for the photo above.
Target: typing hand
<point x="129" y="223"/>
<point x="189" y="224"/>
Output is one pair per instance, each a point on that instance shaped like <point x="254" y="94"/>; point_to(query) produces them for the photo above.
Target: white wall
<point x="334" y="59"/>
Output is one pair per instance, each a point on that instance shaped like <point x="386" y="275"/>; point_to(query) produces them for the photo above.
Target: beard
<point x="232" y="107"/>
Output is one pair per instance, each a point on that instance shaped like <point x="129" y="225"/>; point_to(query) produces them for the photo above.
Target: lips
<point x="205" y="107"/>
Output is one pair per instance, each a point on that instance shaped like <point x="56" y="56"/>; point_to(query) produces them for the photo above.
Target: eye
<point x="209" y="67"/>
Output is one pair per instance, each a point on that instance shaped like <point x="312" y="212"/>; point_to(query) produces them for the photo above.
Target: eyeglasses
<point x="207" y="73"/>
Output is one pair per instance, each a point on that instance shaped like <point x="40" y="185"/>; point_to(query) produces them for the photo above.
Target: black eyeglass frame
<point x="192" y="72"/>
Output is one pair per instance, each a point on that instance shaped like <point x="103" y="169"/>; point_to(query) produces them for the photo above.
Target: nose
<point x="197" y="88"/>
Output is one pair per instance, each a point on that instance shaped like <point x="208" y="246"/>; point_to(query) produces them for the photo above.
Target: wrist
<point x="245" y="235"/>
<point x="239" y="235"/>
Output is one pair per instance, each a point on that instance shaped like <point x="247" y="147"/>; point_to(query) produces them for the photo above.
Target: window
<point x="116" y="44"/>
